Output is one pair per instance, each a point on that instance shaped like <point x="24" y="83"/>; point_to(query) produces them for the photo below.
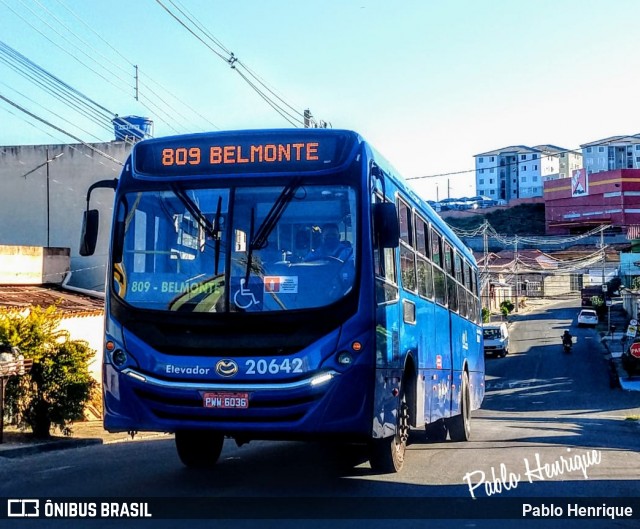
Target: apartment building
<point x="609" y="154"/>
<point x="519" y="171"/>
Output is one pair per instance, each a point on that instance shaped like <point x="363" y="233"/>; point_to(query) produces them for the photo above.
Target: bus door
<point x="440" y="358"/>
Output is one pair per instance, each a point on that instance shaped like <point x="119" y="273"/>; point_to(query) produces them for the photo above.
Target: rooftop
<point x="19" y="297"/>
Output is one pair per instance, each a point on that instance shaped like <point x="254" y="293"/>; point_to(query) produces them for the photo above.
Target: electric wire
<point x="233" y="62"/>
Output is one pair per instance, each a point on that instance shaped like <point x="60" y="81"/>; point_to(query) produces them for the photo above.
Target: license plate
<point x="225" y="400"/>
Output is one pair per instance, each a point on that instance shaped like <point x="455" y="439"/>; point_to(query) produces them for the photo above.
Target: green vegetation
<point x="59" y="385"/>
<point x="506" y="307"/>
<point x="525" y="219"/>
<point x="486" y="315"/>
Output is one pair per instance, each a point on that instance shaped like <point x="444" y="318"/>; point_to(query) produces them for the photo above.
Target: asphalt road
<point x="542" y="407"/>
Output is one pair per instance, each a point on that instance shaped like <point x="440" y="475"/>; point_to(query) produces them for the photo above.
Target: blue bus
<point x="284" y="285"/>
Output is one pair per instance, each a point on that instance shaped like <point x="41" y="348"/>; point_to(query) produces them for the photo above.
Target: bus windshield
<point x="235" y="249"/>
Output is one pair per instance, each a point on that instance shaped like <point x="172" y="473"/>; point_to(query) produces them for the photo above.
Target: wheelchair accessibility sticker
<point x="247" y="297"/>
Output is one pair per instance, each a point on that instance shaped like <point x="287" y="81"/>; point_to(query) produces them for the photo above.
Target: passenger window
<point x="404" y="216"/>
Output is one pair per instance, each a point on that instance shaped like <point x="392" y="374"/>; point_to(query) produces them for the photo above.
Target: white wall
<point x="89" y="328"/>
<point x="23" y="200"/>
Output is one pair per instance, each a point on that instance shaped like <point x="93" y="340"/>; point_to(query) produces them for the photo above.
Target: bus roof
<point x="272" y="151"/>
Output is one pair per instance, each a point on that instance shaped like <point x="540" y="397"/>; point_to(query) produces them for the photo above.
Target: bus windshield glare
<point x="255" y="249"/>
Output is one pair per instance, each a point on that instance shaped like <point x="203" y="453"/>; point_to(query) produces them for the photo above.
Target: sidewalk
<point x="20" y="444"/>
<point x="615" y="345"/>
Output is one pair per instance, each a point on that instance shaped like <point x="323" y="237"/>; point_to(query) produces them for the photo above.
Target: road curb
<point x="27" y="450"/>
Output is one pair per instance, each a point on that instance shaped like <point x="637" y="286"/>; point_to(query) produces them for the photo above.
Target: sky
<point x="429" y="83"/>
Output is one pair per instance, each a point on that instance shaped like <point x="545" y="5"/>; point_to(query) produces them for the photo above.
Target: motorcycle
<point x="566" y="345"/>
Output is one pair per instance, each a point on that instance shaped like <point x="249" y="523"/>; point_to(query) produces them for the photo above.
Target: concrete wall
<point x="33" y="265"/>
<point x="41" y="203"/>
<point x="89" y="328"/>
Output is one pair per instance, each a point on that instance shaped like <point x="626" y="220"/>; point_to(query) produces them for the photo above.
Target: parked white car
<point x="587" y="317"/>
<point x="496" y="339"/>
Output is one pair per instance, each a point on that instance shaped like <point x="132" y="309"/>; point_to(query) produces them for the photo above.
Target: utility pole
<point x="485" y="241"/>
<point x="516" y="270"/>
<point x="48" y="202"/>
<point x="603" y="254"/>
<point x="137" y="93"/>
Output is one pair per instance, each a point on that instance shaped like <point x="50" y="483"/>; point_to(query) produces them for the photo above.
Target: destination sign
<point x="239" y="153"/>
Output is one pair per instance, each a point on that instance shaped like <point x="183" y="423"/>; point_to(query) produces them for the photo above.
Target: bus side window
<point x="384" y="265"/>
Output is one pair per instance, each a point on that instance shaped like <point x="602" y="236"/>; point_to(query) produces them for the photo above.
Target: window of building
<point x="492" y="191"/>
<point x="491" y="180"/>
<point x="481" y="171"/>
<point x="535" y="179"/>
<point x="588" y="149"/>
<point x="492" y="159"/>
<point x="492" y="170"/>
<point x="535" y="167"/>
<point x="523" y="179"/>
<point x="523" y="156"/>
<point x="638" y="147"/>
<point x="600" y="149"/>
<point x="524" y="167"/>
<point x="481" y="159"/>
<point x="481" y="181"/>
<point x="534" y="156"/>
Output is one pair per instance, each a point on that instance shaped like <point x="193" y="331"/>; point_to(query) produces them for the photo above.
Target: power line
<point x="267" y="94"/>
<point x="42" y="120"/>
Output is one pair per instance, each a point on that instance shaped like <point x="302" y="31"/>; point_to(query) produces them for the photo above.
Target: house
<point x="522" y="274"/>
<point x="32" y="276"/>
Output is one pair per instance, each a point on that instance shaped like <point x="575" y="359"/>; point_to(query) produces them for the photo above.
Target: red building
<point x="585" y="201"/>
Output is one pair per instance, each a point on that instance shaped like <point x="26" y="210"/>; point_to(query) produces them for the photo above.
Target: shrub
<point x="59" y="384"/>
<point x="507" y="305"/>
<point x="486" y="315"/>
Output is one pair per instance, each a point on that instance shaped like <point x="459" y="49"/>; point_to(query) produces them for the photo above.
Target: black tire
<point x="460" y="426"/>
<point x="436" y="431"/>
<point x="199" y="449"/>
<point x="387" y="455"/>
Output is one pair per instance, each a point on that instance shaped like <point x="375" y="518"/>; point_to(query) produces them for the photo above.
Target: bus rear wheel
<point x="199" y="449"/>
<point x="387" y="455"/>
<point x="460" y="426"/>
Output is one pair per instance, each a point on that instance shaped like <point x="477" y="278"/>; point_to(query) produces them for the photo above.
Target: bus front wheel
<point x="387" y="454"/>
<point x="460" y="426"/>
<point x="199" y="449"/>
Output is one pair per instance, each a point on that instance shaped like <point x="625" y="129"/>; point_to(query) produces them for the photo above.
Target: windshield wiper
<point x="250" y="247"/>
<point x="193" y="208"/>
<point x="211" y="228"/>
<point x="216" y="236"/>
<point x="275" y="213"/>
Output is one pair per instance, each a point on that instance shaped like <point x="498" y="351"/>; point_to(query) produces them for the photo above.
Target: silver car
<point x="587" y="317"/>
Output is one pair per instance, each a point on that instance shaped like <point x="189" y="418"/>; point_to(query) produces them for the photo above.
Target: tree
<point x="506" y="307"/>
<point x="59" y="385"/>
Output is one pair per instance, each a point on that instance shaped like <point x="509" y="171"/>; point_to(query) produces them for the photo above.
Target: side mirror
<point x="89" y="233"/>
<point x="386" y="224"/>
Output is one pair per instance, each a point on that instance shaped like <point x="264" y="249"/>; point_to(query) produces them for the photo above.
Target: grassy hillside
<point x="525" y="219"/>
